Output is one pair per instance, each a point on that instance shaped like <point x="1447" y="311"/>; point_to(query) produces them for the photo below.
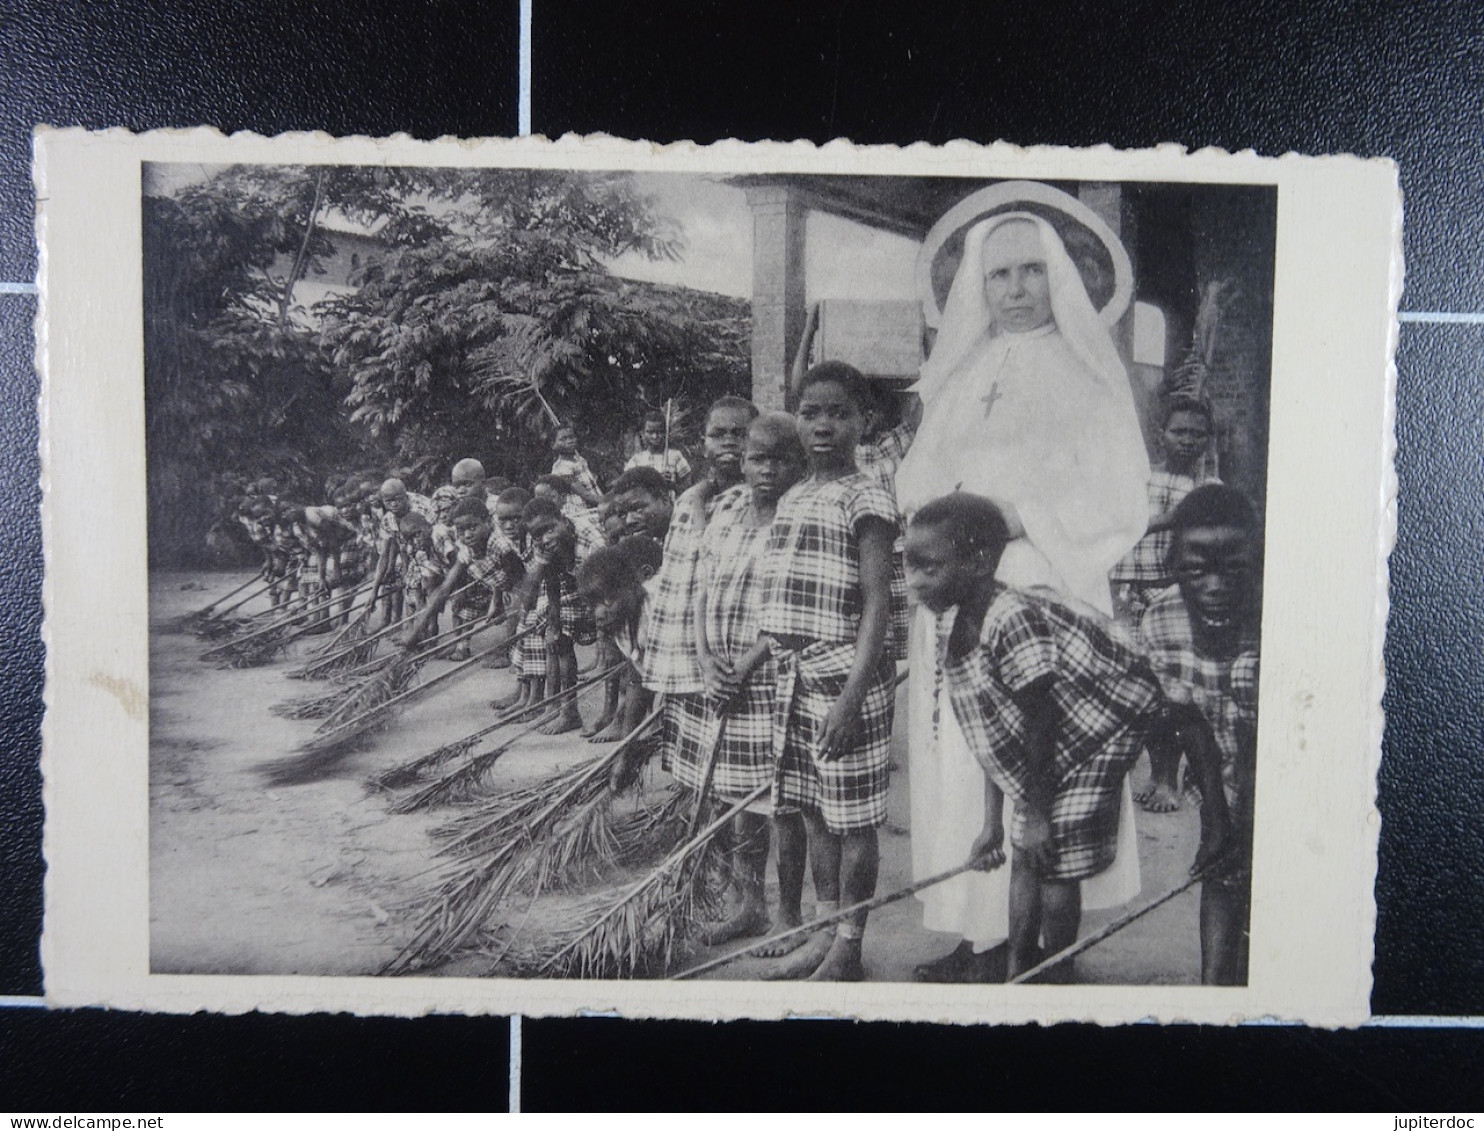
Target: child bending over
<point x="1202" y="640"/>
<point x="1053" y="706"/>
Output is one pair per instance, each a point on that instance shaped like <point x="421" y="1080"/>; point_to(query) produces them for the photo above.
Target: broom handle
<point x="708" y="773"/>
<point x="441" y="677"/>
<point x="282" y="622"/>
<point x="599" y="765"/>
<point x="451" y="636"/>
<point x="254" y="595"/>
<point x="828" y="920"/>
<point x="515" y="713"/>
<point x="1109" y="929"/>
<point x="669" y="862"/>
<point x="228" y="596"/>
<point x="379" y="633"/>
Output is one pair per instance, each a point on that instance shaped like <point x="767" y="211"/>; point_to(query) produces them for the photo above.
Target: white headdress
<point x="967" y="320"/>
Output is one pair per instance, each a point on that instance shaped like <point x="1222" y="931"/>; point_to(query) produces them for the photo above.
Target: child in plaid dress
<point x="671" y="665"/>
<point x="550" y="596"/>
<point x="558" y="490"/>
<point x="1185" y="438"/>
<point x="738" y="667"/>
<point x="654" y="452"/>
<point x="420" y="566"/>
<point x="572" y="466"/>
<point x="1053" y="706"/>
<point x="827" y="598"/>
<point x="1201" y="638"/>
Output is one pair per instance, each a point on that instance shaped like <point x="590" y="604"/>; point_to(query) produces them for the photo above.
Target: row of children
<point x="773" y="624"/>
<point x="771" y="621"/>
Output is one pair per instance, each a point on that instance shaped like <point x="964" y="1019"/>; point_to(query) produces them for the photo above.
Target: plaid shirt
<point x="589" y="534"/>
<point x="492" y="568"/>
<point x="669" y="637"/>
<point x="730" y="574"/>
<point x="883" y="454"/>
<point x="1224" y="690"/>
<point x="1147" y="563"/>
<point x="811" y="571"/>
<point x="1097" y="686"/>
<point x="671" y="463"/>
<point x="574" y="469"/>
<point x="387" y="529"/>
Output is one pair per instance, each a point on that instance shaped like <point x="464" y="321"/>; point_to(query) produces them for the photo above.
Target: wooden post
<point x="778" y="215"/>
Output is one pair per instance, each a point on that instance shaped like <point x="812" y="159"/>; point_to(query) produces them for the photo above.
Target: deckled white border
<point x="1331" y="522"/>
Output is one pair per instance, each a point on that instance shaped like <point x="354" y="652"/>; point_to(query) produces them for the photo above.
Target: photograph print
<point x="584" y="574"/>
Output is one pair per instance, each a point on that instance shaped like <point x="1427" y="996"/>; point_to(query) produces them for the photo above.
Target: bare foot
<point x="752" y="920"/>
<point x="612" y="734"/>
<point x="498" y="660"/>
<point x="802" y="962"/>
<point x="1161" y="799"/>
<point x="777" y="948"/>
<point x="1143" y="795"/>
<point x="842" y="963"/>
<point x="562" y="722"/>
<point x="511" y="702"/>
<point x="593" y="729"/>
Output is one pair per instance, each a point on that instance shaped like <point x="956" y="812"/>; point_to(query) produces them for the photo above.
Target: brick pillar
<point x="778" y="310"/>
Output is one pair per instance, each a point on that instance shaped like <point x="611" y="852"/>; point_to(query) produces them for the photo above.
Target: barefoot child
<point x="671" y="667"/>
<point x="396" y="503"/>
<point x="550" y="593"/>
<point x="827" y="598"/>
<point x="1201" y="638"/>
<point x="1052" y="705"/>
<point x="738" y="667"/>
<point x="557" y="490"/>
<point x="1185" y="437"/>
<point x="656" y="453"/>
<point x="421" y="568"/>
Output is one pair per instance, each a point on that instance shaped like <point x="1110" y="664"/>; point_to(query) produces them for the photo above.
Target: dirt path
<point x="248" y="877"/>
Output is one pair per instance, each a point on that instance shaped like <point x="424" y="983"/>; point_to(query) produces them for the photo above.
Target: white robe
<point x="1022" y="420"/>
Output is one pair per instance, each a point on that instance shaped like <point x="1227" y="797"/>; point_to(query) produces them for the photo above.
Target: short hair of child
<point x="654" y="417"/>
<point x="498" y="485"/>
<point x="413" y="523"/>
<point x="557" y="482"/>
<point x="469" y="508"/>
<point x="645" y="479"/>
<point x="732" y="401"/>
<point x="1184" y="402"/>
<point x="538" y="509"/>
<point x="847" y="376"/>
<point x="513" y="497"/>
<point x="608" y="570"/>
<point x="644" y="554"/>
<point x="1213" y="504"/>
<point x="782" y="428"/>
<point x="971" y="523"/>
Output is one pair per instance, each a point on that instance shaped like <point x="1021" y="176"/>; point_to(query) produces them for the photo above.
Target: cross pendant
<point x="989" y="398"/>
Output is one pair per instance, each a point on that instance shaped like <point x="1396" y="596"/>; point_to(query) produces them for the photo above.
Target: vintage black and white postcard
<point x="941" y="583"/>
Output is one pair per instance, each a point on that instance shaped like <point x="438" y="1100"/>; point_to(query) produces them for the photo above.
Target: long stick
<point x="827" y="920"/>
<point x="282" y="622"/>
<point x="1109" y="929"/>
<point x="707" y="775"/>
<point x="328" y="656"/>
<point x="206" y="612"/>
<point x="458" y="669"/>
<point x="669" y="862"/>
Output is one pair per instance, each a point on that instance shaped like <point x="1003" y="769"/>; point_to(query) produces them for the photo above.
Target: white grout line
<point x="1423" y="1021"/>
<point x="17" y="289"/>
<point x="523" y="108"/>
<point x="21" y="1001"/>
<point x="515" y="1064"/>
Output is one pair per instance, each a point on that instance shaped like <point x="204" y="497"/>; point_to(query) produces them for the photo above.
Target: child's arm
<point x="435" y="602"/>
<point x="1195" y="738"/>
<point x="587" y="494"/>
<point x="874" y="537"/>
<point x="1035" y="843"/>
<point x="989" y="845"/>
<point x="714" y="670"/>
<point x="383" y="566"/>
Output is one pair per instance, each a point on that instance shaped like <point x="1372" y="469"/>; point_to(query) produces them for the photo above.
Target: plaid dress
<point x="1104" y="698"/>
<point x="669" y="640"/>
<point x="883" y="453"/>
<point x="574" y="469"/>
<point x="1223" y="690"/>
<point x="1144" y="570"/>
<point x="730" y="552"/>
<point x="671" y="463"/>
<point x="811" y="601"/>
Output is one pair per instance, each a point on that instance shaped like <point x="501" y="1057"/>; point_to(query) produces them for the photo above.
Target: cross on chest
<point x="989" y="398"/>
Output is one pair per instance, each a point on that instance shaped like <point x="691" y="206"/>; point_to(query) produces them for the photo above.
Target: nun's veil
<point x="967" y="322"/>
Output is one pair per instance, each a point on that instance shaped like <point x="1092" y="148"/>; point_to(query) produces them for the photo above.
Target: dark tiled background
<point x="1396" y="80"/>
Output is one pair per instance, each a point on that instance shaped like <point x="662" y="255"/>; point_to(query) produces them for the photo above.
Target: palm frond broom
<point x="193" y="621"/>
<point x="495" y="846"/>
